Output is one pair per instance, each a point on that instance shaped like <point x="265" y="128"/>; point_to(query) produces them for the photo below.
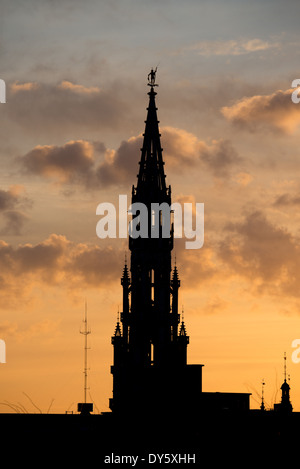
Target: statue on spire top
<point x="152" y="77"/>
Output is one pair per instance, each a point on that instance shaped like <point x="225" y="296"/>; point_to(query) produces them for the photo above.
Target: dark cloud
<point x="183" y="150"/>
<point x="95" y="266"/>
<point x="11" y="201"/>
<point x="14" y="223"/>
<point x="10" y="198"/>
<point x="57" y="261"/>
<point x="196" y="266"/>
<point x="76" y="162"/>
<point x="66" y="105"/>
<point x="265" y="254"/>
<point x="121" y="165"/>
<point x="286" y="200"/>
<point x="220" y="157"/>
<point x="71" y="163"/>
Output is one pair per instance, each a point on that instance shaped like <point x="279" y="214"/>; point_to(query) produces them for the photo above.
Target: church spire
<point x="285" y="405"/>
<point x="150" y="353"/>
<point x="285" y="390"/>
<point x="151" y="185"/>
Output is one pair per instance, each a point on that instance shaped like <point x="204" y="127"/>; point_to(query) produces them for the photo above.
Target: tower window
<point x="152" y="353"/>
<point x="152" y="284"/>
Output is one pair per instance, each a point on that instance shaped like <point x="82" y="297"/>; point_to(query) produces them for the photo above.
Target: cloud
<point x="230" y="47"/>
<point x="54" y="262"/>
<point x="220" y="157"/>
<point x="183" y="149"/>
<point x="11" y="201"/>
<point x="12" y="197"/>
<point x="65" y="105"/>
<point x="77" y="161"/>
<point x="28" y="86"/>
<point x="80" y="89"/>
<point x="197" y="267"/>
<point x="285" y="200"/>
<point x="265" y="254"/>
<point x="243" y="178"/>
<point x="14" y="223"/>
<point x="275" y="112"/>
<point x="215" y="305"/>
<point x="122" y="164"/>
<point x="72" y="162"/>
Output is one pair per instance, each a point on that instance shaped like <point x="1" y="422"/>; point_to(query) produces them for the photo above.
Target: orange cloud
<point x="75" y="161"/>
<point x="54" y="262"/>
<point x="121" y="164"/>
<point x="230" y="47"/>
<point x="11" y="201"/>
<point x="67" y="85"/>
<point x="287" y="200"/>
<point x="198" y="267"/>
<point x="66" y="163"/>
<point x="275" y="112"/>
<point x="61" y="108"/>
<point x="28" y="86"/>
<point x="14" y="196"/>
<point x="243" y="179"/>
<point x="184" y="149"/>
<point x="263" y="253"/>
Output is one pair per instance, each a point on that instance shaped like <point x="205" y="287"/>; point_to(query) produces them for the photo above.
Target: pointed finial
<point x="284" y="358"/>
<point x="182" y="331"/>
<point x="262" y="407"/>
<point x="118" y="332"/>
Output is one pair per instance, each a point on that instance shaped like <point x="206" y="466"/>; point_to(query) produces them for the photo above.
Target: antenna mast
<point x="85" y="332"/>
<point x="85" y="407"/>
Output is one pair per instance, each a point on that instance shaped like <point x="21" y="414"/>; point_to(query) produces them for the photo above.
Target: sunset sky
<point x="71" y="133"/>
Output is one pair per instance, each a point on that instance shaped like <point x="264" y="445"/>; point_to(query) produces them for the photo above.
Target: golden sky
<point x="71" y="131"/>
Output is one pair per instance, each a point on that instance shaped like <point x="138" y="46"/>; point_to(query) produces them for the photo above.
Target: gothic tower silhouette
<point x="150" y="371"/>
